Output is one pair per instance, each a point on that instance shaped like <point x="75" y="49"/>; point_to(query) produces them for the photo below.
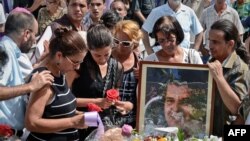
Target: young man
<point x="96" y="9"/>
<point x="119" y="7"/>
<point x="229" y="69"/>
<point x="77" y="9"/>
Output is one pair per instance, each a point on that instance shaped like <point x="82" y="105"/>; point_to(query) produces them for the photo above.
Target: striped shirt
<point x="62" y="105"/>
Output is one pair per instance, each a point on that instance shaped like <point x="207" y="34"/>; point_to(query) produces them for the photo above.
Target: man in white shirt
<point x="186" y="17"/>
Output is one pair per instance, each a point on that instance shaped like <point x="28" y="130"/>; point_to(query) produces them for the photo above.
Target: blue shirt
<point x="12" y="111"/>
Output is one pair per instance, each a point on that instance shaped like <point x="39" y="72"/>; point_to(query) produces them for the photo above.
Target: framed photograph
<point x="175" y="95"/>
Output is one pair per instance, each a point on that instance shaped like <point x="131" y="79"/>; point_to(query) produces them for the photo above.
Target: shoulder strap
<point x="106" y="82"/>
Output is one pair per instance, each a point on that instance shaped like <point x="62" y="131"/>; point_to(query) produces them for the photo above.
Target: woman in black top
<point x="51" y="111"/>
<point x="98" y="73"/>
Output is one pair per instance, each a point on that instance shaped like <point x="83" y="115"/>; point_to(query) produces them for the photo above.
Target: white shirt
<point x="2" y="15"/>
<point x="185" y="15"/>
<point x="190" y="56"/>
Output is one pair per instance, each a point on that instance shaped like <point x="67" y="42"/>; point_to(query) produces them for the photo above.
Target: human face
<point x="219" y="48"/>
<point x="96" y="8"/>
<point x="101" y="55"/>
<point x="29" y="38"/>
<point x="168" y="43"/>
<point x="73" y="62"/>
<point x="176" y="2"/>
<point x="119" y="7"/>
<point x="77" y="9"/>
<point x="52" y="6"/>
<point x="176" y="111"/>
<point x="220" y="1"/>
<point x="123" y="43"/>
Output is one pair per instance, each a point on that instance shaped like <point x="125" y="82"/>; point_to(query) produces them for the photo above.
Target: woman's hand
<point x="104" y="103"/>
<point x="78" y="121"/>
<point x="124" y="107"/>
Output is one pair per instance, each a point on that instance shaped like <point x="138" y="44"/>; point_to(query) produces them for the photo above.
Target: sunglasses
<point x="123" y="43"/>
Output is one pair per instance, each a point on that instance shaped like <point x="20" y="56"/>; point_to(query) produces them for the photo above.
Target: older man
<point x="219" y="10"/>
<point x="20" y="31"/>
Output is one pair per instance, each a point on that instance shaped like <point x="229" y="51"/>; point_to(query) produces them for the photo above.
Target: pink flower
<point x="127" y="130"/>
<point x="93" y="107"/>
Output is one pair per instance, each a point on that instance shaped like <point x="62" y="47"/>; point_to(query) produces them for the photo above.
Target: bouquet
<point x="125" y="133"/>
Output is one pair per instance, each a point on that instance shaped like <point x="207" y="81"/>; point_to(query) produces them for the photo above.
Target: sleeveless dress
<point x="63" y="105"/>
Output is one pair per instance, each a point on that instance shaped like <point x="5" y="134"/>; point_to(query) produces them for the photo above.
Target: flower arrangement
<point x="116" y="132"/>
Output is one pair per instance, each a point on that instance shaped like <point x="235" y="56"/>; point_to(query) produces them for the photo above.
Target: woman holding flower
<point x="127" y="35"/>
<point x="98" y="73"/>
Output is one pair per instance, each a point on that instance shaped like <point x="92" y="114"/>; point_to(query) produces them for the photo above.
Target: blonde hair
<point x="131" y="28"/>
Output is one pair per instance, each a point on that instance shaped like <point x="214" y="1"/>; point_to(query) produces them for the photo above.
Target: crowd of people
<point x="46" y="99"/>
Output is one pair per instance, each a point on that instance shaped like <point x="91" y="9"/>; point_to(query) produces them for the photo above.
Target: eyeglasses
<point x="123" y="43"/>
<point x="162" y="41"/>
<point x="74" y="63"/>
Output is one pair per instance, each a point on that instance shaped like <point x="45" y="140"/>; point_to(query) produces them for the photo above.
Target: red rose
<point x="93" y="107"/>
<point x="112" y="95"/>
<point x="5" y="130"/>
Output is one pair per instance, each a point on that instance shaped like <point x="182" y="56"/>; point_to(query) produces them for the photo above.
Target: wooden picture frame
<point x="179" y="95"/>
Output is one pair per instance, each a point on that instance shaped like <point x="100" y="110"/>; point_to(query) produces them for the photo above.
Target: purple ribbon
<point x="92" y="119"/>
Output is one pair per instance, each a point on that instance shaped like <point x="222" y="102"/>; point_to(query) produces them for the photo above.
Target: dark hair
<point x="99" y="36"/>
<point x="176" y="83"/>
<point x="110" y="18"/>
<point x="231" y="33"/>
<point x="89" y="1"/>
<point x="18" y="21"/>
<point x="112" y="3"/>
<point x="169" y="25"/>
<point x="67" y="1"/>
<point x="68" y="42"/>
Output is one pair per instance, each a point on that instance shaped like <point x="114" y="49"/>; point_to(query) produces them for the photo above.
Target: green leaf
<point x="180" y="135"/>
